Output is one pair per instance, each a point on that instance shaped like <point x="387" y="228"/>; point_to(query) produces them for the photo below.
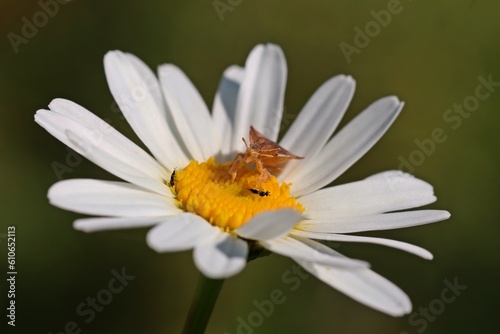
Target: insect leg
<point x="275" y="169"/>
<point x="237" y="164"/>
<point x="264" y="174"/>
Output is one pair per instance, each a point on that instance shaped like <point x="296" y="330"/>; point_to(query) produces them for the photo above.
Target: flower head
<point x="187" y="191"/>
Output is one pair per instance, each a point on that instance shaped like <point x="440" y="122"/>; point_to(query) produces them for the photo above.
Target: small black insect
<point x="260" y="192"/>
<point x="172" y="179"/>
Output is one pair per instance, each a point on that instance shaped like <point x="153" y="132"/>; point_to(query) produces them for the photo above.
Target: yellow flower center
<point x="206" y="189"/>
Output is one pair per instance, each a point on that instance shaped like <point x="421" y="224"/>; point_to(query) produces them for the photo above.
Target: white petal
<point x="138" y="94"/>
<point x="270" y="224"/>
<point x="114" y="223"/>
<point x="395" y="191"/>
<point x="296" y="249"/>
<point x="102" y="131"/>
<point x="419" y="251"/>
<point x="385" y="221"/>
<point x="221" y="256"/>
<point x="104" y="156"/>
<point x="224" y="108"/>
<point x="347" y="146"/>
<point x="180" y="233"/>
<point x="260" y="100"/>
<point x="363" y="285"/>
<point x="102" y="144"/>
<point x="388" y="175"/>
<point x="108" y="198"/>
<point x="189" y="112"/>
<point x="317" y="121"/>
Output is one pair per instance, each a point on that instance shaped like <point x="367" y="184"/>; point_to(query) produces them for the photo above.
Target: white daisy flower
<point x="187" y="192"/>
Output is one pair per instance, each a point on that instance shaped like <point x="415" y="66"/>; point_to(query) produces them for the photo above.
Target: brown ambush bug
<point x="264" y="153"/>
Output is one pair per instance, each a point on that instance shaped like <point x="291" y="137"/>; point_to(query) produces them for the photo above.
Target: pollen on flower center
<point x="206" y="189"/>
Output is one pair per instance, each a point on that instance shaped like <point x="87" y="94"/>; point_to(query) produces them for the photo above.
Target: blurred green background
<point x="430" y="55"/>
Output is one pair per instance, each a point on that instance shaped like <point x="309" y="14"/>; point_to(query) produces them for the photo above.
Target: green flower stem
<point x="202" y="306"/>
